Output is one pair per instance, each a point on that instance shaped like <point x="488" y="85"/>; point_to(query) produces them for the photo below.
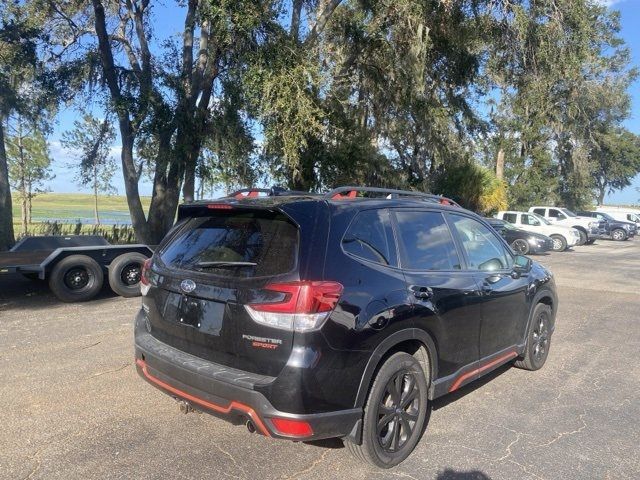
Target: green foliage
<point x="90" y="141"/>
<point x="617" y="160"/>
<point x="29" y="162"/>
<point x="562" y="75"/>
<point x="387" y="93"/>
<point x="115" y="234"/>
<point x="473" y="186"/>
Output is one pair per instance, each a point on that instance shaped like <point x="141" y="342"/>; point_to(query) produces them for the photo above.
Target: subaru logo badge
<point x="188" y="286"/>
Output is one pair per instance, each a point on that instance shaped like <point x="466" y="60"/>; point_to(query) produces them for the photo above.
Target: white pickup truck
<point x="563" y="237"/>
<point x="589" y="229"/>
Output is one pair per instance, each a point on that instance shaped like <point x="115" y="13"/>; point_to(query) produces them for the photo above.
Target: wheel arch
<point x="547" y="297"/>
<point x="414" y="341"/>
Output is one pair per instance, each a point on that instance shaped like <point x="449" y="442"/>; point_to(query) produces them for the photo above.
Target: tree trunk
<point x="95" y="193"/>
<point x="601" y="193"/>
<point x="6" y="209"/>
<point x="188" y="189"/>
<point x="29" y="205"/>
<point x="500" y="165"/>
<point x="23" y="214"/>
<point x="296" y="10"/>
<point x="23" y="184"/>
<point x="129" y="171"/>
<point x="138" y="220"/>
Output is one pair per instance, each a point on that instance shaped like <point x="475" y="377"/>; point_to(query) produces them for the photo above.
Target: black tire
<point x="583" y="237"/>
<point x="401" y="373"/>
<point x="520" y="246"/>
<point x="618" y="234"/>
<point x="538" y="339"/>
<point x="591" y="241"/>
<point x="559" y="243"/>
<point x="124" y="274"/>
<point x="77" y="278"/>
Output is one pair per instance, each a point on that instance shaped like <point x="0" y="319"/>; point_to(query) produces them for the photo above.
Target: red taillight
<point x="302" y="297"/>
<point x="293" y="428"/>
<point x="219" y="206"/>
<point x="144" y="275"/>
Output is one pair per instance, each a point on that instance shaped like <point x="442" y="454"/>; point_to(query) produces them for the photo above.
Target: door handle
<point x="420" y="292"/>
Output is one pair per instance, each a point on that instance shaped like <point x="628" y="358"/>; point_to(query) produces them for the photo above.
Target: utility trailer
<point x="76" y="265"/>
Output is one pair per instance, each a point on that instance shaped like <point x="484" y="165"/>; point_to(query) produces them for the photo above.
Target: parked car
<point x="616" y="229"/>
<point x="622" y="214"/>
<point x="563" y="237"/>
<point x="522" y="242"/>
<point x="338" y="315"/>
<point x="589" y="229"/>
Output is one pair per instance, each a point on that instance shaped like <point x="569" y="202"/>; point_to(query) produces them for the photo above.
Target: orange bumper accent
<point x="250" y="412"/>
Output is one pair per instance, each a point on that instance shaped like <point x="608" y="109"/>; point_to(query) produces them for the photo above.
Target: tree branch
<point x="321" y="22"/>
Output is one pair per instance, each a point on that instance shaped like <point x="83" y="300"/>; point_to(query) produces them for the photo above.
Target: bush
<point x="472" y="186"/>
<point x="115" y="234"/>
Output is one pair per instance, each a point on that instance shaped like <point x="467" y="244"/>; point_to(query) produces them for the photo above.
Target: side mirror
<point x="521" y="265"/>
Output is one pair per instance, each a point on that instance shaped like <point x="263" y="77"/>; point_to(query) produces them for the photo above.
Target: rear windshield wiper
<point x="224" y="264"/>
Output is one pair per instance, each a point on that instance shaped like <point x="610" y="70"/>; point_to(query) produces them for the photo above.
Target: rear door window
<point x="530" y="220"/>
<point x="553" y="213"/>
<point x="245" y="244"/>
<point x="510" y="217"/>
<point x="539" y="211"/>
<point x="426" y="242"/>
<point x="484" y="249"/>
<point x="370" y="237"/>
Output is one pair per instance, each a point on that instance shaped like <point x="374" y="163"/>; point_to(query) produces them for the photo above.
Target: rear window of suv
<point x="247" y="244"/>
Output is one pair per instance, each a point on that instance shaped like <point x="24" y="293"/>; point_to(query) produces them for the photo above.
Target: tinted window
<point x="529" y="220"/>
<point x="426" y="241"/>
<point x="553" y="213"/>
<point x="484" y="250"/>
<point x="267" y="240"/>
<point x="510" y="217"/>
<point x="370" y="237"/>
<point x="539" y="211"/>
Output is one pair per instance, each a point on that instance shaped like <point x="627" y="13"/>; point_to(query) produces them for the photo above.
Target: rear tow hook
<point x="185" y="407"/>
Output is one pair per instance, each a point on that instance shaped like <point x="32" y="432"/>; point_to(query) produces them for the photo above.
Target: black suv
<point x="522" y="242"/>
<point x="340" y="315"/>
<point x="615" y="229"/>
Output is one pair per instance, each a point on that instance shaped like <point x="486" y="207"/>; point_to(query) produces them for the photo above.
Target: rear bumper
<point x="228" y="393"/>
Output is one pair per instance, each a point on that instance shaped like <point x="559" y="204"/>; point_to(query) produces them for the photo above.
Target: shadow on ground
<point x="18" y="292"/>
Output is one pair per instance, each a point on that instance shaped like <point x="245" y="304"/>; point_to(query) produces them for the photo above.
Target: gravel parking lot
<point x="73" y="406"/>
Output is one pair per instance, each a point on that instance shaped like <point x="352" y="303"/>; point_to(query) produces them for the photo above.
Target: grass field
<point x="74" y="207"/>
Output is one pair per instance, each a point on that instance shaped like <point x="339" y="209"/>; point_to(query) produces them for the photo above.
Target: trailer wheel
<point x="77" y="278"/>
<point x="124" y="274"/>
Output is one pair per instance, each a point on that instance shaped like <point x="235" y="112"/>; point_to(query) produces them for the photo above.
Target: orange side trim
<point x="212" y="406"/>
<point x="486" y="366"/>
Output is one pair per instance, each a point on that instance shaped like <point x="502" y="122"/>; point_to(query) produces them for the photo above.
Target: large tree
<point x="616" y="156"/>
<point x="561" y="74"/>
<point x="29" y="165"/>
<point x="164" y="93"/>
<point x="18" y="64"/>
<point x="90" y="142"/>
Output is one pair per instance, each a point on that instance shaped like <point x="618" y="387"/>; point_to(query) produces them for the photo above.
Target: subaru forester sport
<point x="310" y="316"/>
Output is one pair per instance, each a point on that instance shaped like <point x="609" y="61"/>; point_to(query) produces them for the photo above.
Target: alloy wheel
<point x="398" y="411"/>
<point x="540" y="336"/>
<point x="520" y="246"/>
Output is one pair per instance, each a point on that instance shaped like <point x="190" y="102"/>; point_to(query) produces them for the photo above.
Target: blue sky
<point x="165" y="25"/>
